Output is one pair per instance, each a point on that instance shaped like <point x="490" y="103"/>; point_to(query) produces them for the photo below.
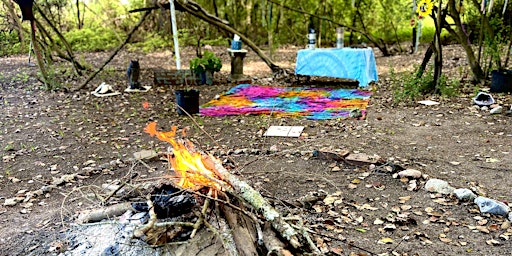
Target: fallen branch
<point x="240" y="226"/>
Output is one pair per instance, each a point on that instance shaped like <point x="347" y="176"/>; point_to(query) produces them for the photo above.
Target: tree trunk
<point x="39" y="56"/>
<point x="78" y="14"/>
<point x="426" y="59"/>
<point x="462" y="38"/>
<point x="438" y="52"/>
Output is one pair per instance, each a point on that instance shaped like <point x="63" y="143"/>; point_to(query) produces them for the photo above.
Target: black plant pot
<point x="187" y="100"/>
<point x="501" y="81"/>
<point x="206" y="77"/>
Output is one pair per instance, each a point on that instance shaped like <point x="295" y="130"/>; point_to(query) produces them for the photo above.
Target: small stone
<point x="484" y="108"/>
<point x="410" y="173"/>
<point x="464" y="194"/>
<point x="145" y="154"/>
<point x="10" y="201"/>
<point x="491" y="206"/>
<point x="439" y="186"/>
<point x="497" y="110"/>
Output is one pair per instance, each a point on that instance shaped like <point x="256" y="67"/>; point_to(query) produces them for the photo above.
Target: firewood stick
<point x="201" y="216"/>
<point x="256" y="200"/>
<point x="251" y="215"/>
<point x="241" y="234"/>
<point x="274" y="246"/>
<point x="104" y="213"/>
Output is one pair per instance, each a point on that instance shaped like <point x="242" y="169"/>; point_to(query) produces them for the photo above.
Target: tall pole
<point x="175" y="35"/>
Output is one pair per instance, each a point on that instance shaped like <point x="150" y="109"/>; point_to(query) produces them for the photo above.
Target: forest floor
<point x="45" y="136"/>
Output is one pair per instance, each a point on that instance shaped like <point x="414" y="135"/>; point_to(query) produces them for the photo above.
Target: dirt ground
<point x="45" y="136"/>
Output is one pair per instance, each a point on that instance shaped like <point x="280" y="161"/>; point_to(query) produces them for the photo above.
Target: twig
<point x="217" y="233"/>
<point x="201" y="217"/>
<point x="140" y="232"/>
<point x="493" y="168"/>
<point x="134" y="175"/>
<point x="403" y="238"/>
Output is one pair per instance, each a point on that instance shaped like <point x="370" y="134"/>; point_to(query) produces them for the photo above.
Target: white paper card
<point x="284" y="131"/>
<point x="428" y="102"/>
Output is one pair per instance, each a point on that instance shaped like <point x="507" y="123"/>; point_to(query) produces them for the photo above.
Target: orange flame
<point x="194" y="170"/>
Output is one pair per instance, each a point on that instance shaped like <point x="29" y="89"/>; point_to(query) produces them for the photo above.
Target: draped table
<point x="350" y="63"/>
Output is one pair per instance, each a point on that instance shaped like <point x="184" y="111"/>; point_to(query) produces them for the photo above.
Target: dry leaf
<point x="493" y="242"/>
<point x="389" y="227"/>
<point x="445" y="240"/>
<point x="494" y="227"/>
<point x="483" y="229"/>
<point x="385" y="240"/>
<point x="328" y="200"/>
<point x="405" y="207"/>
<point x="378" y="222"/>
<point x="318" y="208"/>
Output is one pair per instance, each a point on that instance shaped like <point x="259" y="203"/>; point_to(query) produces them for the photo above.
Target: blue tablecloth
<point x="358" y="64"/>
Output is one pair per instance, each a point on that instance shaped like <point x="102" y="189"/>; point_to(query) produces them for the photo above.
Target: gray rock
<point x="410" y="173"/>
<point x="464" y="194"/>
<point x="438" y="186"/>
<point x="491" y="206"/>
<point x="510" y="216"/>
<point x="497" y="110"/>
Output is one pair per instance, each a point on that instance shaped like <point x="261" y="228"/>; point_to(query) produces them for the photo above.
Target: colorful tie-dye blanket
<point x="310" y="103"/>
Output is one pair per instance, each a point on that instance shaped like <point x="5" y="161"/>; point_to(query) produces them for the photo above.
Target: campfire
<point x="194" y="170"/>
<point x="201" y="198"/>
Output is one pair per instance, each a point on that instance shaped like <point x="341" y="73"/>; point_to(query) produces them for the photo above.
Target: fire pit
<point x="201" y="209"/>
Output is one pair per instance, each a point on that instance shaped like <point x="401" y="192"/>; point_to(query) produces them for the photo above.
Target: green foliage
<point x="208" y="62"/>
<point x="153" y="42"/>
<point x="408" y="88"/>
<point x="9" y="44"/>
<point x="89" y="39"/>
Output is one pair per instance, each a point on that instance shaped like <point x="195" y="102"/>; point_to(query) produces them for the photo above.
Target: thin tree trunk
<point x="77" y="66"/>
<point x="426" y="59"/>
<point x="12" y="13"/>
<point x="146" y="14"/>
<point x="462" y="38"/>
<point x="39" y="57"/>
<point x="270" y="31"/>
<point x="78" y="14"/>
<point x="438" y="63"/>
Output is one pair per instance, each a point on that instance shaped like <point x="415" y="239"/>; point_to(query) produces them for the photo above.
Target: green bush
<point x="92" y="39"/>
<point x="9" y="44"/>
<point x="408" y="88"/>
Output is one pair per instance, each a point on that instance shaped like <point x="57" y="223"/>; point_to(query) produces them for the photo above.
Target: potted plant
<point x="206" y="66"/>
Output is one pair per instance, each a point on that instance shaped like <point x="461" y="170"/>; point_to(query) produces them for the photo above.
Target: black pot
<point x="501" y="81"/>
<point x="187" y="100"/>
